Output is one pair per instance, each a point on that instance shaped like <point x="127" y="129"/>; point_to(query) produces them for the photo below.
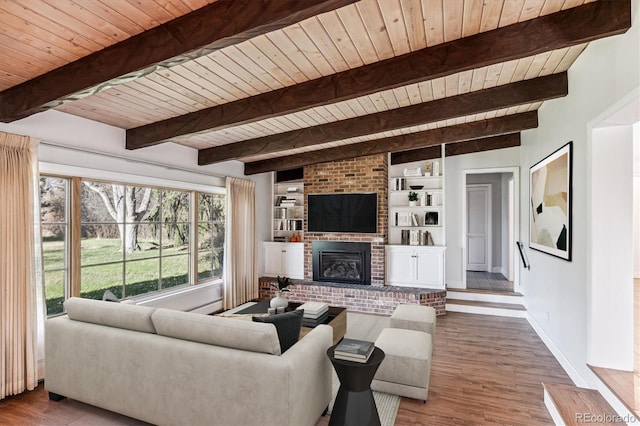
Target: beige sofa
<point x="170" y="367"/>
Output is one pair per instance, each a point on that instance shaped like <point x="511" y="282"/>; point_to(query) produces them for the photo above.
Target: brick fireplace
<point x="363" y="174"/>
<point x="360" y="175"/>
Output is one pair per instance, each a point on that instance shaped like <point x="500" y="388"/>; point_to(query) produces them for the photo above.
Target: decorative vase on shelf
<point x="412" y="203"/>
<point x="278" y="301"/>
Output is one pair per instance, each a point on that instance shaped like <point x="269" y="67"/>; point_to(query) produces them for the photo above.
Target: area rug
<point x="386" y="404"/>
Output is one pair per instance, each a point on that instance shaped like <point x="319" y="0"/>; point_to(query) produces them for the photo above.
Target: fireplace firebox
<point x="341" y="262"/>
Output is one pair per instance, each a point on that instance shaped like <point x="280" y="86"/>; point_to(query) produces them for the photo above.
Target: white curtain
<point x="21" y="298"/>
<point x="240" y="269"/>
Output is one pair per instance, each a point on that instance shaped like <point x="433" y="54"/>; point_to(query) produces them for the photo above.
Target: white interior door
<point x="478" y="227"/>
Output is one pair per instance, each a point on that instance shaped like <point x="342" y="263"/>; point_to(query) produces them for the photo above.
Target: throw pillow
<point x="108" y="296"/>
<point x="287" y="326"/>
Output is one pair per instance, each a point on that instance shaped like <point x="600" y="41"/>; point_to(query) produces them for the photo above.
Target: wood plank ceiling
<point x="285" y="83"/>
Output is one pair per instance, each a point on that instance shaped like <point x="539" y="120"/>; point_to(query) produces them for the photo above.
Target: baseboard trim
<point x="577" y="378"/>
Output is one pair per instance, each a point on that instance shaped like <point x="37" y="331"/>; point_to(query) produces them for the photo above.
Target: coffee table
<point x="337" y="318"/>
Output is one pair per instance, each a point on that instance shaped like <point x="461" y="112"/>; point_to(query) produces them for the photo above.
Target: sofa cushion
<point x="407" y="357"/>
<point x="287" y="326"/>
<point x="119" y="315"/>
<point x="245" y="335"/>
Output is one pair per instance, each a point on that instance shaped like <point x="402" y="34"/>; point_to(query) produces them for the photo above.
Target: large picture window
<point x="133" y="239"/>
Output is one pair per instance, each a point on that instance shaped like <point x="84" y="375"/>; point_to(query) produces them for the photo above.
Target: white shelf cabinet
<point x="288" y="209"/>
<point x="427" y="215"/>
<point x="415" y="266"/>
<point x="284" y="259"/>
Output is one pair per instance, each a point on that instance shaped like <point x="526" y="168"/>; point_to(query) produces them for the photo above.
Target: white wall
<point x="454" y="190"/>
<point x="558" y="293"/>
<point x="636" y="200"/>
<point x="610" y="334"/>
<point x="66" y="140"/>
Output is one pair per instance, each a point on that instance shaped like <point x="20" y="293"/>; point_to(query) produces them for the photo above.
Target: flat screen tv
<point x="343" y="212"/>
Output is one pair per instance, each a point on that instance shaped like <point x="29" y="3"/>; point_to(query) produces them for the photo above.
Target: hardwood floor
<point x="34" y="408"/>
<point x="485" y="370"/>
<point x="488" y="281"/>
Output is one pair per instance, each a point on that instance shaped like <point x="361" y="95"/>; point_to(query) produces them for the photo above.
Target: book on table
<point x="313" y="306"/>
<point x="312" y="322"/>
<point x="352" y="359"/>
<point x="315" y="315"/>
<point x="314" y="309"/>
<point x="354" y="350"/>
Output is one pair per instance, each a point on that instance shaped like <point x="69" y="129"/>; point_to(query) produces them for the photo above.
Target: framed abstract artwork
<point x="550" y="203"/>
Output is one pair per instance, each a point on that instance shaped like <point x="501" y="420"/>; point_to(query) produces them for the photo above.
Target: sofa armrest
<point x="309" y="376"/>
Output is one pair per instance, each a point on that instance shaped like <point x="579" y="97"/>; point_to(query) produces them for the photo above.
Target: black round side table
<point x="354" y="405"/>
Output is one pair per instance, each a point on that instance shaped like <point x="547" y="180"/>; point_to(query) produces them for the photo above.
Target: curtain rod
<point x="130" y="160"/>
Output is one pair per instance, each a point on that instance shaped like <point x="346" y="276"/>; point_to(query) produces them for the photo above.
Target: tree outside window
<point x="135" y="240"/>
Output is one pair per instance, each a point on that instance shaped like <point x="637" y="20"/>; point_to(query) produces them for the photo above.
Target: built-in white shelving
<point x="425" y="215"/>
<point x="415" y="255"/>
<point x="288" y="210"/>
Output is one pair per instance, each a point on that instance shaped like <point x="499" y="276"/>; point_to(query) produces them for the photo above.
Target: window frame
<point x="66" y="290"/>
<point x="74" y="175"/>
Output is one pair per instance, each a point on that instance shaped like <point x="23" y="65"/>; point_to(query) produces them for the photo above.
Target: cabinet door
<point x="293" y="261"/>
<point x="430" y="268"/>
<point x="273" y="254"/>
<point x="400" y="265"/>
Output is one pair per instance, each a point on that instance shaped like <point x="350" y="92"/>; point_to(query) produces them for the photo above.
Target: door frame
<point x="510" y="239"/>
<point x="488" y="196"/>
<point x="515" y="171"/>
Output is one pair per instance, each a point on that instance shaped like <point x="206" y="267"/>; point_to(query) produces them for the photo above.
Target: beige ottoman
<point x="414" y="317"/>
<point x="406" y="367"/>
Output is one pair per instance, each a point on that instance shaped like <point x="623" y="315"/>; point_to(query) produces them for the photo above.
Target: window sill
<point x="184" y="298"/>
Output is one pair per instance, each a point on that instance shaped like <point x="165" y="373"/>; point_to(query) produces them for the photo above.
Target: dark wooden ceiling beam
<point x="555" y="31"/>
<point x="428" y="138"/>
<point x="508" y="95"/>
<point x="420" y="154"/>
<point x="466" y="147"/>
<point x="220" y="24"/>
<point x="479" y="145"/>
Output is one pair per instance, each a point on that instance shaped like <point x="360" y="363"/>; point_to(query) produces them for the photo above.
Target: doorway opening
<point x="490" y="229"/>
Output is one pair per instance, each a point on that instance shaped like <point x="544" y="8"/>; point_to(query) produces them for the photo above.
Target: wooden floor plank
<point x="624" y="384"/>
<point x="578" y="406"/>
<point x="485" y="370"/>
<point x="511" y="306"/>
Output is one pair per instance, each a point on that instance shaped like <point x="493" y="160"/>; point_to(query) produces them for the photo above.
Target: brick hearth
<point x="358" y="298"/>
